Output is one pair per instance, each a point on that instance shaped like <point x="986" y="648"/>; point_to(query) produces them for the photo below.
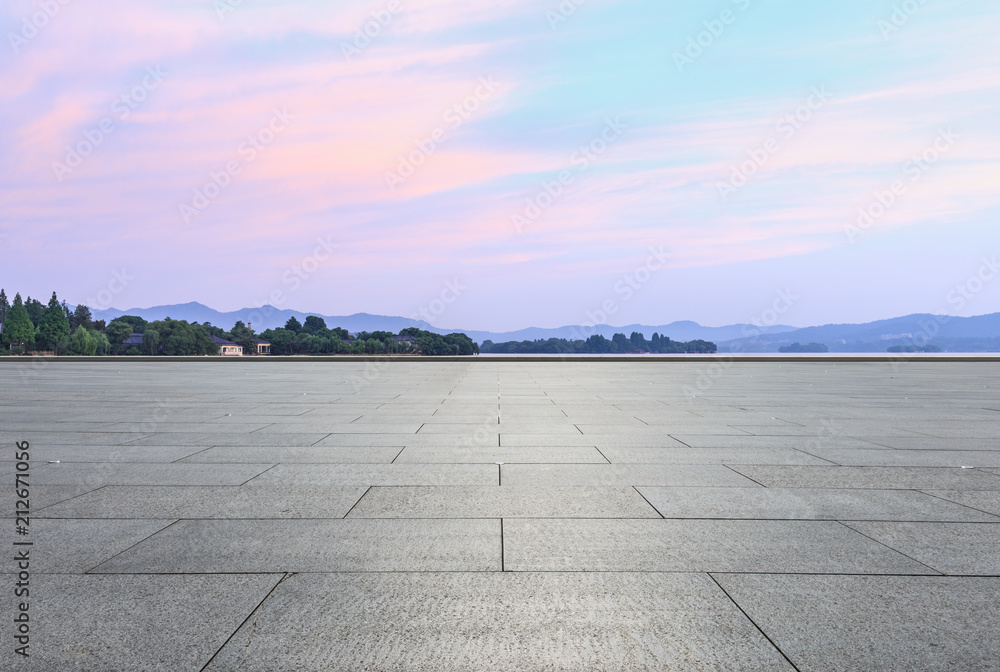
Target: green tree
<point x="53" y="328"/>
<point x="103" y="344"/>
<point x="18" y="330"/>
<point x="315" y="325"/>
<point x="81" y="343"/>
<point x="243" y="335"/>
<point x="81" y="316"/>
<point x="35" y="310"/>
<point x="4" y="307"/>
<point x="293" y="325"/>
<point x="151" y="342"/>
<point x="116" y="333"/>
<point x="137" y="324"/>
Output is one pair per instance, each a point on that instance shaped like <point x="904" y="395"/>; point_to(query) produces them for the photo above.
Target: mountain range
<point x="956" y="334"/>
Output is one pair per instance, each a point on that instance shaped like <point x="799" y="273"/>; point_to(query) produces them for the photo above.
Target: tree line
<point x="597" y="344"/>
<point x="31" y="326"/>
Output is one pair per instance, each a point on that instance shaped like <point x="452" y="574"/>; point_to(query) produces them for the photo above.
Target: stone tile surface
<point x="826" y="499"/>
<point x="891" y="623"/>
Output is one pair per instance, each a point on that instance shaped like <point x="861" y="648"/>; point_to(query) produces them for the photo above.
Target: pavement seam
<point x="253" y="611"/>
<point x="894" y="550"/>
<point x="745" y="614"/>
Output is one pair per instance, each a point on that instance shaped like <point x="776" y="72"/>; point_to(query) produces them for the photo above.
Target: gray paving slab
<point x="697" y="546"/>
<point x="368" y="474"/>
<point x="128" y="473"/>
<point x="243" y="546"/>
<point x="503" y="502"/>
<point x="123" y="623"/>
<point x="208" y="439"/>
<point x="933" y="443"/>
<point x="274" y="501"/>
<point x="41" y="437"/>
<point x="41" y="496"/>
<point x="599" y="440"/>
<point x="75" y="546"/>
<point x="982" y="500"/>
<point x="684" y="455"/>
<point x="295" y="454"/>
<point x="494" y="454"/>
<point x="883" y="478"/>
<point x="909" y="458"/>
<point x="464" y="621"/>
<point x="885" y="623"/>
<point x="675" y="475"/>
<point x="815" y="439"/>
<point x="44" y="453"/>
<point x="950" y="548"/>
<point x="806" y="504"/>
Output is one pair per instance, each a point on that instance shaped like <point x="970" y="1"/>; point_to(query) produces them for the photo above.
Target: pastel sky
<point x="504" y="164"/>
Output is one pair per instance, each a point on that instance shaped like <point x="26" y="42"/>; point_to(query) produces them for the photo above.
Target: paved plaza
<point x="267" y="516"/>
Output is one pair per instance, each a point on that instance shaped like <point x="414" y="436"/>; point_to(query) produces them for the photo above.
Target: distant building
<point x="228" y="348"/>
<point x="263" y="347"/>
<point x="133" y="340"/>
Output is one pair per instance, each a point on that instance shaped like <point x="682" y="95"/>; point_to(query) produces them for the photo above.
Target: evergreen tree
<point x="4" y="307"/>
<point x="81" y="316"/>
<point x="35" y="310"/>
<point x="53" y="328"/>
<point x="18" y="329"/>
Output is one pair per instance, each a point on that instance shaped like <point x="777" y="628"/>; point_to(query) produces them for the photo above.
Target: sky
<point x="505" y="164"/>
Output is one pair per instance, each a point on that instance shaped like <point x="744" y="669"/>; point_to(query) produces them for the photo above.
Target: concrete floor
<point x="485" y="515"/>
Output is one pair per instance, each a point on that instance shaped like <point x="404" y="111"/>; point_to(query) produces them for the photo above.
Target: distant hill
<point x="952" y="334"/>
<point x="266" y="317"/>
<point x="269" y="317"/>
